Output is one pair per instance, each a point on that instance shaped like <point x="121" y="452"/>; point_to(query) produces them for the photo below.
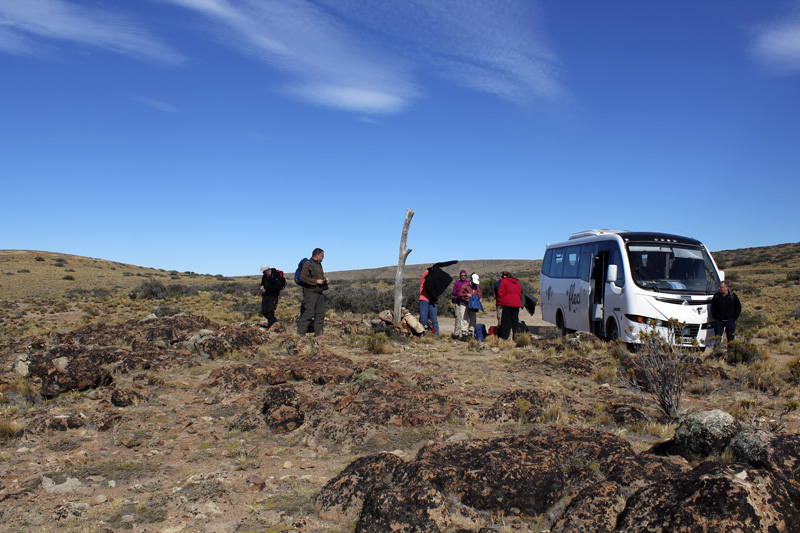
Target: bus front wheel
<point x="612" y="331"/>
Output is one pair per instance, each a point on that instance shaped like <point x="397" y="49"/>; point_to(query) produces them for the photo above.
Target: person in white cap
<point x="467" y="294"/>
<point x="272" y="283"/>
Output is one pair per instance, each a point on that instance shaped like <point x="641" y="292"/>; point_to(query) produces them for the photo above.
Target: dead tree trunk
<point x="398" y="278"/>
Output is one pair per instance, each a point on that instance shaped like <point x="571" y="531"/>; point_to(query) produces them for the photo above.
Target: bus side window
<point x="548" y="256"/>
<point x="572" y="256"/>
<point x="557" y="264"/>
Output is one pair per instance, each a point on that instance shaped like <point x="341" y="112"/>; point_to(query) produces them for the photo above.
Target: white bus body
<point x="617" y="284"/>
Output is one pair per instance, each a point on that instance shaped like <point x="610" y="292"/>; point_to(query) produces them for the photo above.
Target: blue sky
<point x="217" y="135"/>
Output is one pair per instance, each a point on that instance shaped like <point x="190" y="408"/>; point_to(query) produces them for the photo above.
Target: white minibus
<point x="617" y="284"/>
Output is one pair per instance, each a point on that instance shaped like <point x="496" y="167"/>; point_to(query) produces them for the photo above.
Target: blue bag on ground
<point x="480" y="332"/>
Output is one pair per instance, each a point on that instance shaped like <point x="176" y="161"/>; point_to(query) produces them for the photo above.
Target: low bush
<point x="149" y="290"/>
<point x="751" y="322"/>
<point x="378" y="343"/>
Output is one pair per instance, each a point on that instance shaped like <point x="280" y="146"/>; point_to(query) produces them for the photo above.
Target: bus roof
<point x="628" y="236"/>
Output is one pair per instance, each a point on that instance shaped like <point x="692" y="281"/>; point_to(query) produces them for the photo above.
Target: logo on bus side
<point x="549" y="292"/>
<point x="573" y="297"/>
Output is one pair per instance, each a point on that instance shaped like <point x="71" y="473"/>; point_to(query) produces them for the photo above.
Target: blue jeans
<point x="427" y="311"/>
<point x="728" y="326"/>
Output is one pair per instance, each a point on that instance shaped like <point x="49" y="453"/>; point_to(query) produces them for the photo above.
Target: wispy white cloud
<point x="362" y="56"/>
<point x="159" y="106"/>
<point x="494" y="46"/>
<point x="329" y="65"/>
<point x="777" y="45"/>
<point x="26" y="23"/>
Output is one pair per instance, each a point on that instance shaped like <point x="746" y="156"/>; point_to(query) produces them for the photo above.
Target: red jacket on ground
<point x="510" y="293"/>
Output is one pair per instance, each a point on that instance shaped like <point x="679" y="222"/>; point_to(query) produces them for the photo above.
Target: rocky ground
<point x="183" y="424"/>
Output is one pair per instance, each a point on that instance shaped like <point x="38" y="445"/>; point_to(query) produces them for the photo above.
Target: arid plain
<point x="174" y="430"/>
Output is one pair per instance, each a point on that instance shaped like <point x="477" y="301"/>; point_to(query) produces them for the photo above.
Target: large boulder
<point x="64" y="374"/>
<point x="342" y="498"/>
<point x="712" y="497"/>
<point x="779" y="454"/>
<point x="706" y="433"/>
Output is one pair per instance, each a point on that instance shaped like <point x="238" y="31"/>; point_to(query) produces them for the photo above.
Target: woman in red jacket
<point x="509" y="296"/>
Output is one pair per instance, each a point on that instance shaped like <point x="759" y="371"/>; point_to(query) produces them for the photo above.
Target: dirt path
<point x="489" y="318"/>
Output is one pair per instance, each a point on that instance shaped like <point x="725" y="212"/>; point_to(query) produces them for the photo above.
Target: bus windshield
<point x="672" y="268"/>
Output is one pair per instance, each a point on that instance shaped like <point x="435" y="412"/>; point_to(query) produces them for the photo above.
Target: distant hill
<point x="482" y="267"/>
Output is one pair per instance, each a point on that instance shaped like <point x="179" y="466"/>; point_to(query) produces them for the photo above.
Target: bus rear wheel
<point x="560" y="323"/>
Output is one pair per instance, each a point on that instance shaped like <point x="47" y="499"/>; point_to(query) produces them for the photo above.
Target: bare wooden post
<point x="398" y="278"/>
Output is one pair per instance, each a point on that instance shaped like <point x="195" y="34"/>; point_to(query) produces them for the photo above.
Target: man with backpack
<point x="725" y="310"/>
<point x="272" y="283"/>
<point x="314" y="282"/>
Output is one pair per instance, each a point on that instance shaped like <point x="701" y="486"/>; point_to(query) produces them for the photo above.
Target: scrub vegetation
<point x="188" y="449"/>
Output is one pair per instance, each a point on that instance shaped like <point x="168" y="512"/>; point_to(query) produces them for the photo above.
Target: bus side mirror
<point x="722" y="275"/>
<point x="611" y="277"/>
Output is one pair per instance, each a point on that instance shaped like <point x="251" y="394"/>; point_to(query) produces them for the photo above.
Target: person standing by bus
<point x="509" y="297"/>
<point x="725" y="310"/>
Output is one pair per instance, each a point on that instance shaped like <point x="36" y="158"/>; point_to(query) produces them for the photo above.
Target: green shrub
<point x="742" y="352"/>
<point x="149" y="290"/>
<point x="248" y="307"/>
<point x="751" y="322"/>
<point x="378" y="343"/>
<point x="69" y="277"/>
<point x="361" y="300"/>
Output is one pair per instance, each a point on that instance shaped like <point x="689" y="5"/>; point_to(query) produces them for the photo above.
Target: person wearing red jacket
<point x="509" y="297"/>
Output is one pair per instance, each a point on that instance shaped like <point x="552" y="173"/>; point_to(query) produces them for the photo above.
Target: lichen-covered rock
<point x="584" y="452"/>
<point x="779" y="454"/>
<point x="322" y="368"/>
<point x="283" y="408"/>
<point x="414" y="509"/>
<point x="705" y="433"/>
<point x="492" y="474"/>
<point x="389" y="403"/>
<point x="594" y="509"/>
<point x="244" y="336"/>
<point x="65" y="374"/>
<point x="237" y="378"/>
<point x="342" y="498"/>
<point x="208" y="343"/>
<point x="125" y="397"/>
<point x="712" y="497"/>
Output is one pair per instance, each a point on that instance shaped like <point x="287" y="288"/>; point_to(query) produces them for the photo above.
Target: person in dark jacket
<point x="509" y="297"/>
<point x="272" y="283"/>
<point x="314" y="282"/>
<point x="725" y="310"/>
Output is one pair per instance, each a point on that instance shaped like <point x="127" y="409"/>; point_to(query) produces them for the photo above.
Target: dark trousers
<point x="728" y="326"/>
<point x="508" y="321"/>
<point x="268" y="305"/>
<point x="313" y="309"/>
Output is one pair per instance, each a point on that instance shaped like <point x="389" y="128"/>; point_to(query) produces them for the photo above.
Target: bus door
<point x="587" y="289"/>
<point x="597" y="283"/>
<point x="612" y="300"/>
